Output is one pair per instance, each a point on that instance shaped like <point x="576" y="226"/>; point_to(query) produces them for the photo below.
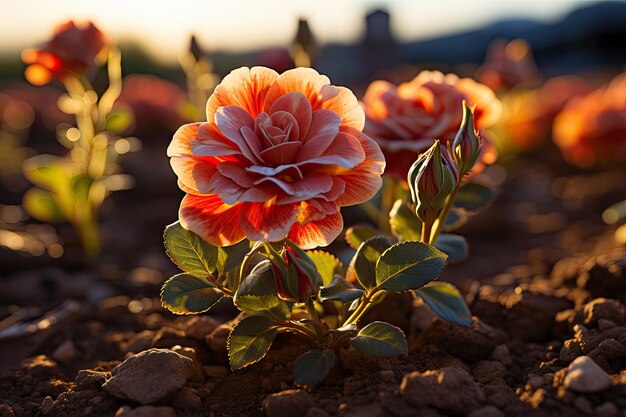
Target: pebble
<point x="145" y="411"/>
<point x="149" y="376"/>
<point x="46" y="405"/>
<point x="585" y="376"/>
<point x="187" y="398"/>
<point x="88" y="379"/>
<point x="449" y="389"/>
<point x="216" y="371"/>
<point x="606" y="409"/>
<point x="198" y="327"/>
<point x="65" y="352"/>
<point x="289" y="403"/>
<point x="217" y="339"/>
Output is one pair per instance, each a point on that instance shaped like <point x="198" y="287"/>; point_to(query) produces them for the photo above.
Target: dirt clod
<point x="289" y="403"/>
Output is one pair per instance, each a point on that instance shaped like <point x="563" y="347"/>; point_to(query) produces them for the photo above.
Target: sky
<point x="164" y="27"/>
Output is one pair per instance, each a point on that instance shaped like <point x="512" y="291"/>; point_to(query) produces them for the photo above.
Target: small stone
<point x="197" y="374"/>
<point x="606" y="409"/>
<point x="289" y="403"/>
<point x="602" y="308"/>
<point x="65" y="352"/>
<point x="486" y="411"/>
<point x="583" y="404"/>
<point x="145" y="411"/>
<point x="149" y="376"/>
<point x="218" y="338"/>
<point x="486" y="371"/>
<point x="88" y="379"/>
<point x="502" y="354"/>
<point x="139" y="342"/>
<point x="199" y="327"/>
<point x="584" y="375"/>
<point x="46" y="405"/>
<point x="316" y="412"/>
<point x="449" y="389"/>
<point x="168" y="337"/>
<point x="216" y="371"/>
<point x="604" y="324"/>
<point x="386" y="375"/>
<point x="536" y="382"/>
<point x="186" y="398"/>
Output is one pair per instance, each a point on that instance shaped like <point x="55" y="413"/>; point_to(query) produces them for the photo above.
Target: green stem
<point x="441" y="220"/>
<point x="426" y="232"/>
<point x="300" y="329"/>
<point x="362" y="308"/>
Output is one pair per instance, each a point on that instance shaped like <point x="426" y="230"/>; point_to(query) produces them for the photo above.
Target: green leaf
<point x="408" y="266"/>
<point x="404" y="222"/>
<point x="257" y="294"/>
<point x="454" y="246"/>
<point x="356" y="235"/>
<point x="229" y="257"/>
<point x="446" y="302"/>
<point x="472" y="196"/>
<point x="364" y="261"/>
<point x="188" y="294"/>
<point x="381" y="339"/>
<point x="340" y="289"/>
<point x="250" y="340"/>
<point x="313" y="366"/>
<point x="327" y="265"/>
<point x="456" y="218"/>
<point x="41" y="205"/>
<point x="189" y="251"/>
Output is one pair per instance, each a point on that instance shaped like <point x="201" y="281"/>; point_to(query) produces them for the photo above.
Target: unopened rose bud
<point x="467" y="144"/>
<point x="432" y="178"/>
<point x="297" y="279"/>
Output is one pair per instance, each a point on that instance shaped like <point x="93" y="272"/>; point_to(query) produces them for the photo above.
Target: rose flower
<point x="407" y="119"/>
<point x="591" y="130"/>
<point x="73" y="49"/>
<point x="277" y="158"/>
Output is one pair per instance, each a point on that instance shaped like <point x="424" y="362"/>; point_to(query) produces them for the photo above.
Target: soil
<point x="546" y="283"/>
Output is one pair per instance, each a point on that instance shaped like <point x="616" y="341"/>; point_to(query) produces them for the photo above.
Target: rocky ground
<point x="546" y="284"/>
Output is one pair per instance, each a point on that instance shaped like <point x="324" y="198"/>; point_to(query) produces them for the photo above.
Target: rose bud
<point x="432" y="178"/>
<point x="297" y="279"/>
<point x="467" y="143"/>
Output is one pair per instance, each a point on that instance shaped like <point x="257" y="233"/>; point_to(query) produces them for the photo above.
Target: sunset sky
<point x="164" y="28"/>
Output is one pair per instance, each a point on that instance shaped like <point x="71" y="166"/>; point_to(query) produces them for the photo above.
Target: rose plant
<point x="74" y="186"/>
<point x="265" y="178"/>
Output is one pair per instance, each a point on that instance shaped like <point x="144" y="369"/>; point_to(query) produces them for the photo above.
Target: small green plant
<point x="279" y="286"/>
<point x="73" y="187"/>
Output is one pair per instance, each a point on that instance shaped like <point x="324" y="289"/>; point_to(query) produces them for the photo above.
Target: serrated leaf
<point x="408" y="266"/>
<point x="327" y="264"/>
<point x="381" y="339"/>
<point x="356" y="235"/>
<point x="454" y="246"/>
<point x="189" y="294"/>
<point x="188" y="251"/>
<point x="364" y="261"/>
<point x="446" y="301"/>
<point x="229" y="257"/>
<point x="250" y="340"/>
<point x="341" y="290"/>
<point x="456" y="218"/>
<point x="313" y="366"/>
<point x="257" y="294"/>
<point x="404" y="222"/>
<point x="472" y="196"/>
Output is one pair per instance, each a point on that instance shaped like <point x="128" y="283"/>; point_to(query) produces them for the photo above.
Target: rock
<point x="606" y="409"/>
<point x="486" y="371"/>
<point x="448" y="389"/>
<point x="88" y="379"/>
<point x="608" y="350"/>
<point x="65" y="352"/>
<point x="216" y="371"/>
<point x="289" y="403"/>
<point x="605" y="276"/>
<point x="149" y="376"/>
<point x="197" y="374"/>
<point x="585" y="376"/>
<point x="217" y="339"/>
<point x="469" y="343"/>
<point x="139" y="342"/>
<point x="583" y="405"/>
<point x="603" y="309"/>
<point x="531" y="316"/>
<point x="168" y="337"/>
<point x="199" y="327"/>
<point x="501" y="354"/>
<point x="486" y="411"/>
<point x="316" y="412"/>
<point x="187" y="398"/>
<point x="46" y="405"/>
<point x="145" y="411"/>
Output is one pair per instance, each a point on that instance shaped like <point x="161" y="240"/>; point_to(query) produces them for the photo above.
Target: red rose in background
<point x="407" y="119"/>
<point x="73" y="49"/>
<point x="591" y="130"/>
<point x="277" y="158"/>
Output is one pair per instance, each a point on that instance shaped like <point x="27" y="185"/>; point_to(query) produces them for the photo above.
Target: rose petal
<point x="281" y="154"/>
<point x="302" y="80"/>
<point x="243" y="87"/>
<point x="211" y="219"/>
<point x="267" y="221"/>
<point x="298" y="106"/>
<point x="324" y="127"/>
<point x="345" y="151"/>
<point x="347" y="108"/>
<point x="318" y="232"/>
<point x="211" y="142"/>
<point x="231" y="121"/>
